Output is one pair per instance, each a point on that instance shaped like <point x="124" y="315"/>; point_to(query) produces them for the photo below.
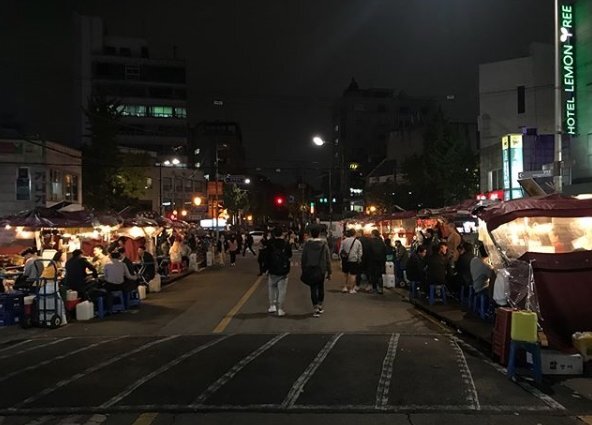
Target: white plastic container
<point x="142" y="292"/>
<point x="209" y="258"/>
<point x="154" y="284"/>
<point x="71" y="295"/>
<point x="28" y="300"/>
<point x="388" y="280"/>
<point x="85" y="310"/>
<point x="390" y="267"/>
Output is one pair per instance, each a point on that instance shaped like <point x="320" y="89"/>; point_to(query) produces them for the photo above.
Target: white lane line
<point x="89" y="371"/>
<point x="54" y="359"/>
<point x="36" y="347"/>
<point x="472" y="396"/>
<point x="18" y="344"/>
<point x="236" y="369"/>
<point x="384" y="384"/>
<point x="96" y="419"/>
<point x="298" y="386"/>
<point x="548" y="400"/>
<point x="159" y="371"/>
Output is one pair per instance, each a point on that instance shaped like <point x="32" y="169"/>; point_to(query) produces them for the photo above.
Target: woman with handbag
<point x="316" y="264"/>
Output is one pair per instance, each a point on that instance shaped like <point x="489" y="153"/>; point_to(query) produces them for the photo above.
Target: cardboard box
<point x="557" y="363"/>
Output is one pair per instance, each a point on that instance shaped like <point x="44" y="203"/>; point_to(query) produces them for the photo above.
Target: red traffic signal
<point x="279" y="201"/>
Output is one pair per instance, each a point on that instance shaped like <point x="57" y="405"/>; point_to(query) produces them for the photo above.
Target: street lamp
<point x="165" y="163"/>
<point x="319" y="141"/>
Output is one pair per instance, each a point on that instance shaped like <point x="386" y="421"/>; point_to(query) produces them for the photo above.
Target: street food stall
<point x="400" y="226"/>
<point x="545" y="244"/>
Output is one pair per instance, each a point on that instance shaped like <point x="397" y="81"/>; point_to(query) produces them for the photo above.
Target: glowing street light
<point x="317" y="140"/>
<point x="197" y="201"/>
<point x="176" y="161"/>
<point x="184" y="213"/>
<point x="247" y="181"/>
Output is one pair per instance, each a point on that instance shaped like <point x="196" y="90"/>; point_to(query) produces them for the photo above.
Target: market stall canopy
<point x="37" y="218"/>
<point x="147" y="217"/>
<point x="555" y="205"/>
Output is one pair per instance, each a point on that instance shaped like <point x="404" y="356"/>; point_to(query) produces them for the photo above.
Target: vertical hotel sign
<point x="512" y="165"/>
<point x="568" y="54"/>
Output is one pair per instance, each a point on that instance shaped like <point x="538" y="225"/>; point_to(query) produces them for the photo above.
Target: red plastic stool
<point x="176" y="267"/>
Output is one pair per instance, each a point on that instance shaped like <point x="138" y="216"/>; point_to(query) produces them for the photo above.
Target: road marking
<point x="16" y="345"/>
<point x="145" y="418"/>
<point x="298" y="386"/>
<point x="26" y="350"/>
<point x="236" y="369"/>
<point x="90" y="370"/>
<point x="159" y="371"/>
<point x="96" y="419"/>
<point x="230" y="315"/>
<point x="384" y="384"/>
<point x="63" y="356"/>
<point x="548" y="400"/>
<point x="467" y="377"/>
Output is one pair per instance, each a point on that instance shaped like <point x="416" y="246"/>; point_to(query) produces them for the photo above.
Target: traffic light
<point x="279" y="201"/>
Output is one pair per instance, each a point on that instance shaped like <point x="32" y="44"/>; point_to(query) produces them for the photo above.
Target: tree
<point x="236" y="200"/>
<point x="447" y="171"/>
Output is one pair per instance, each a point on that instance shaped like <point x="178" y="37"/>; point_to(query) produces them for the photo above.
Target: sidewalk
<point x="453" y="315"/>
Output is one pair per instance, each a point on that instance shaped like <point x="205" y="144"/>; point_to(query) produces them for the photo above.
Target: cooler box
<point x="28" y="305"/>
<point x="388" y="280"/>
<point x="209" y="259"/>
<point x="390" y="267"/>
<point x="524" y="326"/>
<point x="142" y="292"/>
<point x="85" y="311"/>
<point x="154" y="284"/>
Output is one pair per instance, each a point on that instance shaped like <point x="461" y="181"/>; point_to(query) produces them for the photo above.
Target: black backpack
<point x="278" y="261"/>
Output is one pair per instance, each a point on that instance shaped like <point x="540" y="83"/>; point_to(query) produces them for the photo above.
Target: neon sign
<point x="566" y="39"/>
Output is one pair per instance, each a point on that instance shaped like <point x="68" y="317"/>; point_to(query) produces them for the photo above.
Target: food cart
<point x="546" y="244"/>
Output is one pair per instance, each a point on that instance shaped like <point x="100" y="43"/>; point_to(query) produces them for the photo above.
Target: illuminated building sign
<point x="512" y="165"/>
<point x="566" y="40"/>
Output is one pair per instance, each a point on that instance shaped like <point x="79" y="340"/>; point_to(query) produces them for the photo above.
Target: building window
<point x="71" y="187"/>
<point x="167" y="184"/>
<point x="521" y="99"/>
<point x="55" y="185"/>
<point x="178" y="185"/>
<point x="125" y="51"/>
<point x="161" y="111"/>
<point x="132" y="110"/>
<point x="188" y="186"/>
<point x="23" y="185"/>
<point x="180" y="112"/>
<point x="144" y="52"/>
<point x="132" y="72"/>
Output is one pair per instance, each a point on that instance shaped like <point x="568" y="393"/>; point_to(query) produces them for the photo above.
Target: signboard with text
<point x="567" y="55"/>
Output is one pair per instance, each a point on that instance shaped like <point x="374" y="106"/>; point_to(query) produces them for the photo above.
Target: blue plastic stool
<point x="530" y="347"/>
<point x="465" y="295"/>
<point x="481" y="304"/>
<point x="432" y="295"/>
<point x="132" y="298"/>
<point x="118" y="301"/>
<point x="100" y="308"/>
<point x="413" y="288"/>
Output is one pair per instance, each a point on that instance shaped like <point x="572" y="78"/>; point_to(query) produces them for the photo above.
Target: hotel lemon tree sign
<point x="567" y="42"/>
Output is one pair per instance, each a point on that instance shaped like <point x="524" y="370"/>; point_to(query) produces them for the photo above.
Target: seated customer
<point x="32" y="270"/>
<point x="118" y="276"/>
<point x="148" y="264"/>
<point x="81" y="276"/>
<point x="481" y="272"/>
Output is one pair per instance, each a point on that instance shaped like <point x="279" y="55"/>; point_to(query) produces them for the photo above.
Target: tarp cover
<point x="564" y="290"/>
<point x="555" y="205"/>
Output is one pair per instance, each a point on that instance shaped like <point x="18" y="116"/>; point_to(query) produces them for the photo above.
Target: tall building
<point x="516" y="97"/>
<point x="226" y="138"/>
<point x="575" y="67"/>
<point x="152" y="92"/>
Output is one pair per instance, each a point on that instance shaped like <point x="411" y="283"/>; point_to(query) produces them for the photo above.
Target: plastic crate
<point x="524" y="326"/>
<point x="500" y="341"/>
<point x="8" y="318"/>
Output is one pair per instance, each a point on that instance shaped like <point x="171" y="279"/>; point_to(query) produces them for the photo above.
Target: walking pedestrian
<point x="316" y="253"/>
<point x="248" y="244"/>
<point x="351" y="256"/>
<point x="233" y="249"/>
<point x="261" y="258"/>
<point x="376" y="261"/>
<point x="278" y="254"/>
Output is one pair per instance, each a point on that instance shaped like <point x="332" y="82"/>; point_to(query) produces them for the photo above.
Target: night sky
<point x="278" y="65"/>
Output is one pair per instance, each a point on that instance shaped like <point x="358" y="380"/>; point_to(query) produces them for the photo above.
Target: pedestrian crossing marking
<point x="467" y="377"/>
<point x="382" y="392"/>
<point x="36" y="347"/>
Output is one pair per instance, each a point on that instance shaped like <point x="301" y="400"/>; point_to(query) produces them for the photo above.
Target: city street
<point x="206" y="347"/>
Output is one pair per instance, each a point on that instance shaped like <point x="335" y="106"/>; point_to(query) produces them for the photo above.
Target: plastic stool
<point x="118" y="301"/>
<point x="432" y="295"/>
<point x="465" y="295"/>
<point x="176" y="267"/>
<point x="530" y="347"/>
<point x="132" y="298"/>
<point x="482" y="304"/>
<point x="100" y="304"/>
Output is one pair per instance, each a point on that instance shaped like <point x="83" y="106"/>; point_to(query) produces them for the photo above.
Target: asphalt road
<point x="205" y="350"/>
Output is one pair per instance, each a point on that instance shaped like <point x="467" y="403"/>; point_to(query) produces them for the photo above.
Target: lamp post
<point x="319" y="141"/>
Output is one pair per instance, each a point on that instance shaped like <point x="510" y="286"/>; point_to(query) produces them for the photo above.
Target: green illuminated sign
<point x="566" y="39"/>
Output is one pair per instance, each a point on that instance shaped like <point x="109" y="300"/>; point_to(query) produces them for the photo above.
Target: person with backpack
<point x="316" y="261"/>
<point x="278" y="254"/>
<point x="351" y="256"/>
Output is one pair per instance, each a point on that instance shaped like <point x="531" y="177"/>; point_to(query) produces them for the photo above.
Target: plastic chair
<point x="118" y="301"/>
<point x="530" y="347"/>
<point x="432" y="294"/>
<point x="176" y="267"/>
<point x="100" y="307"/>
<point x="132" y="299"/>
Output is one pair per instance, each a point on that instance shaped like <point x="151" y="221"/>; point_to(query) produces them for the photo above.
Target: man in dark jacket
<point x="437" y="270"/>
<point x="463" y="264"/>
<point x="376" y="261"/>
<point x="316" y="253"/>
<point x="277" y="262"/>
<point x="148" y="264"/>
<point x="416" y="267"/>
